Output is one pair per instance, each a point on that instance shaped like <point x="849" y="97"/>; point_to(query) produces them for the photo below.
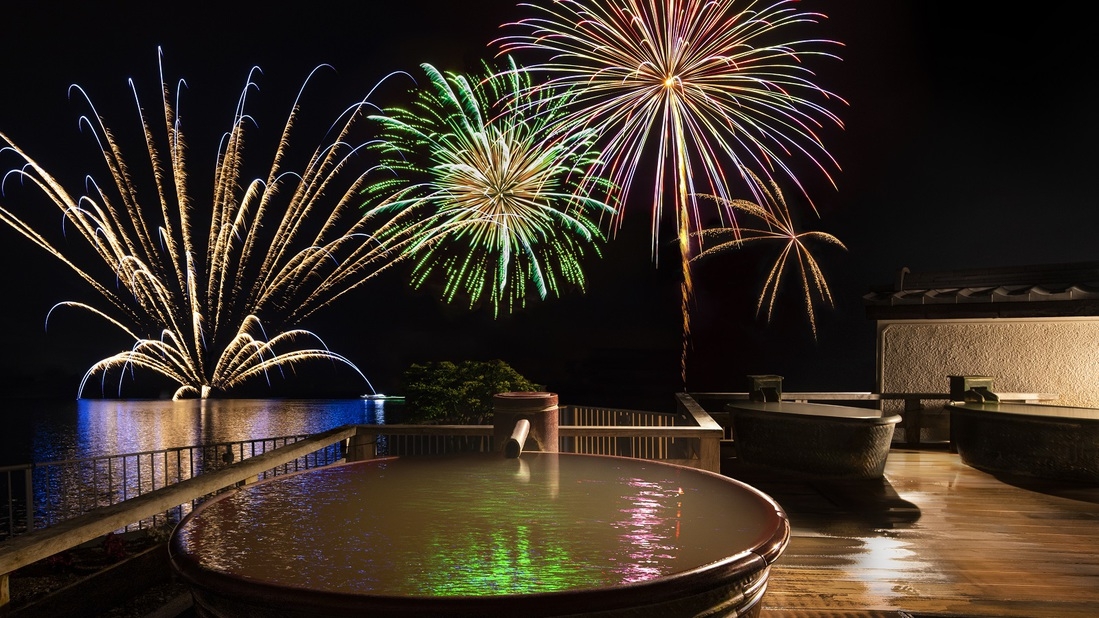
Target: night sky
<point x="969" y="141"/>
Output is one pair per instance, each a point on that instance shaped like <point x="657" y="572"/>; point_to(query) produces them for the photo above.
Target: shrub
<point x="114" y="547"/>
<point x="449" y="393"/>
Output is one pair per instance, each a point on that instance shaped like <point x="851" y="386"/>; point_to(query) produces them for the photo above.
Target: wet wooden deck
<point x="934" y="538"/>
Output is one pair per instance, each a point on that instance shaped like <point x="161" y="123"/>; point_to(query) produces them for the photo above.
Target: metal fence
<point x="61" y="490"/>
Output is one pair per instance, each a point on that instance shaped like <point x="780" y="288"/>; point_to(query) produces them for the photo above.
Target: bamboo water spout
<point x="513" y="448"/>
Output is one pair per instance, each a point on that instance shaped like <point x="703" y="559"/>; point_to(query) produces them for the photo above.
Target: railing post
<point x="709" y="453"/>
<point x="913" y="420"/>
<point x="29" y="488"/>
<point x="709" y="445"/>
<point x="363" y="445"/>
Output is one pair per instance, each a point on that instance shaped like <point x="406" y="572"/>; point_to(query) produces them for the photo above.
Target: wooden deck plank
<point x="933" y="539"/>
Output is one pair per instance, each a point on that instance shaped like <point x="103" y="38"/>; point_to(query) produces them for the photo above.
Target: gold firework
<point x="278" y="248"/>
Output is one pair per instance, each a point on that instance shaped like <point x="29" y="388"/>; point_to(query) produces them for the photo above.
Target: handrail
<point x="686" y="404"/>
<point x="707" y="431"/>
<point x="34" y="546"/>
<point x="709" y="443"/>
<point x="1024" y="397"/>
<point x="38" y="495"/>
<point x="238" y="444"/>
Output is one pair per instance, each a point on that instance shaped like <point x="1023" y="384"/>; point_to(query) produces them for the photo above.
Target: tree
<point x="449" y="393"/>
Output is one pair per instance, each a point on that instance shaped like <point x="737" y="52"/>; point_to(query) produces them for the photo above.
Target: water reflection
<point x="84" y="440"/>
<point x="462" y="525"/>
<point x="51" y="430"/>
<point x="649" y="528"/>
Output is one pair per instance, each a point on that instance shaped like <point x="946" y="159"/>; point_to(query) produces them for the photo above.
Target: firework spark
<point x="495" y="180"/>
<point x="773" y="222"/>
<point x="712" y="90"/>
<point x="278" y="249"/>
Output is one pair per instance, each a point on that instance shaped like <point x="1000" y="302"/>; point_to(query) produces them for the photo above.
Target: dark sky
<point x="968" y="142"/>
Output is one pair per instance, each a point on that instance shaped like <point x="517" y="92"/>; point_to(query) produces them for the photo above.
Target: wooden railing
<point x="688" y="438"/>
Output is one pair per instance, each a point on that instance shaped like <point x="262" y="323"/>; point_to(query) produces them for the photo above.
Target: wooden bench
<point x="1051" y="442"/>
<point x="812" y="439"/>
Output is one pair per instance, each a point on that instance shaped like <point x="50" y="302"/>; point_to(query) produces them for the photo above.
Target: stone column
<point x="538" y="408"/>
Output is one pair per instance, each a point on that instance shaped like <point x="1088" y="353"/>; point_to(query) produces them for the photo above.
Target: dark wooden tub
<point x="812" y="439"/>
<point x="1051" y="442"/>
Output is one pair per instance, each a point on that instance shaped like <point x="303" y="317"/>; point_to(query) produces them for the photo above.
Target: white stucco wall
<point x="1043" y="355"/>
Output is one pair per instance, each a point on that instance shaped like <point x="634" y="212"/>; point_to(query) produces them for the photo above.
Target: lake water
<point x="37" y="430"/>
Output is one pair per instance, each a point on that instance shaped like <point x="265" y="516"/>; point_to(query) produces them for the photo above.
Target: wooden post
<point x="361" y="446"/>
<point x="709" y="453"/>
<point x="913" y="420"/>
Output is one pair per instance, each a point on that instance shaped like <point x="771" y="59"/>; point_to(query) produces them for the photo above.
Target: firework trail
<point x="773" y="222"/>
<point x="708" y="91"/>
<point x="486" y="170"/>
<point x="277" y="249"/>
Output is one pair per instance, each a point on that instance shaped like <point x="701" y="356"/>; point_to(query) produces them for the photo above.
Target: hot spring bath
<point x="545" y="534"/>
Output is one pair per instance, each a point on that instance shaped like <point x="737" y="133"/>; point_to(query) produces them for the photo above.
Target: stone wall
<point x="1043" y="355"/>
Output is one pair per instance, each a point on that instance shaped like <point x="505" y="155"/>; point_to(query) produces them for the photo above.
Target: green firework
<point x="494" y="182"/>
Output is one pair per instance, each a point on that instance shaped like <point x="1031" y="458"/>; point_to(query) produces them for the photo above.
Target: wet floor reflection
<point x="934" y="537"/>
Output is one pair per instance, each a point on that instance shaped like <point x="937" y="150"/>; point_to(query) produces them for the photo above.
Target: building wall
<point x="1041" y="355"/>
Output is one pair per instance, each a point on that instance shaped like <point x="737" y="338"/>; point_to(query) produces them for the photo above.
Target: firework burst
<point x="278" y="248"/>
<point x="709" y="91"/>
<point x="485" y="168"/>
<point x="772" y="222"/>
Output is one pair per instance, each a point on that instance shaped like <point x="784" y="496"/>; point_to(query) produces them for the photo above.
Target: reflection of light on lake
<point x="51" y="430"/>
<point x="91" y="431"/>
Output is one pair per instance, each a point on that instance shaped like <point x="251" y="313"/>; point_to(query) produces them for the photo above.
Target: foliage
<point x="459" y="393"/>
<point x="114" y="547"/>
